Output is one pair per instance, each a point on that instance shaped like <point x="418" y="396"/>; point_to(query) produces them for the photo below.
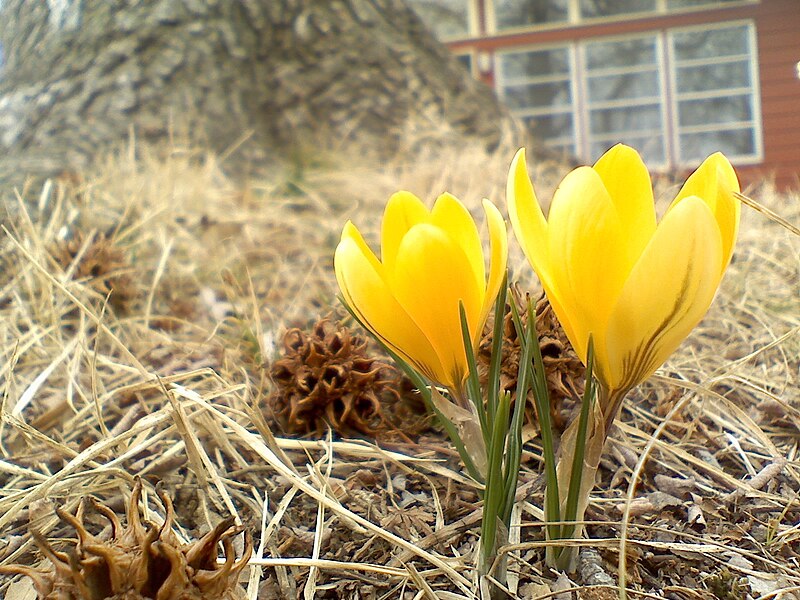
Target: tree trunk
<point x="290" y="75"/>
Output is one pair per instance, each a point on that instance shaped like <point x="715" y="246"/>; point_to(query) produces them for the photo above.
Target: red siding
<point x="778" y="34"/>
<point x="778" y="31"/>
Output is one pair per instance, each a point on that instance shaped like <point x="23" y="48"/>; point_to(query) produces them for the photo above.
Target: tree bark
<point x="290" y="75"/>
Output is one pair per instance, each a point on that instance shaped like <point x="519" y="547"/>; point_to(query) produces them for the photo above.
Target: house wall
<point x="777" y="25"/>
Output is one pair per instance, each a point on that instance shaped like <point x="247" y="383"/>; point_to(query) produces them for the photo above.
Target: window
<point x="713" y="74"/>
<point x="511" y="14"/>
<point x="504" y="15"/>
<point x="676" y="96"/>
<point x="537" y="86"/>
<point x="690" y="4"/>
<point x="591" y="9"/>
<point x="448" y="19"/>
<point x="623" y="96"/>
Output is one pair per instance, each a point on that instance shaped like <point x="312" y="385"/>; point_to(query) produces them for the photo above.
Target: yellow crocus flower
<point x="610" y="271"/>
<point x="431" y="260"/>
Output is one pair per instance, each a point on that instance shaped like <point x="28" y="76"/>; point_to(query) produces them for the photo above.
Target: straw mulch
<point x="143" y="305"/>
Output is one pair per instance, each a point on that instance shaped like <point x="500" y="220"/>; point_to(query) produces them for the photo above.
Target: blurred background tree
<point x="263" y="79"/>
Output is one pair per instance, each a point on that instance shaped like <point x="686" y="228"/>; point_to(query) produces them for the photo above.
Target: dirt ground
<point x="144" y="305"/>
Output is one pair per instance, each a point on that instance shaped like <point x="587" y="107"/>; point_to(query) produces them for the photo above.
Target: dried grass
<point x="700" y="479"/>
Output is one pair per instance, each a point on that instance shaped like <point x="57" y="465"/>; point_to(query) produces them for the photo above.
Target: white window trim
<point x="709" y="94"/>
<point x="708" y="127"/>
<point x="574" y="18"/>
<point x="537" y="78"/>
<point x="606" y="71"/>
<point x="560" y="109"/>
<point x="624" y="102"/>
<point x="754" y="92"/>
<point x="697" y="62"/>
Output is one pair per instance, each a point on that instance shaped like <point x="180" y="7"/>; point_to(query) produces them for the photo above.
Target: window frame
<point x="666" y="68"/>
<point x="490" y="16"/>
<point x="473" y="29"/>
<point x="575" y="19"/>
<point x="754" y="92"/>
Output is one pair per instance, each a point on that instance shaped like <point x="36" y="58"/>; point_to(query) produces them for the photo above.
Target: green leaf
<point x="514" y="450"/>
<point x="473" y="383"/>
<point x="493" y="385"/>
<point x="493" y="500"/>
<point x="541" y="398"/>
<point x="576" y="474"/>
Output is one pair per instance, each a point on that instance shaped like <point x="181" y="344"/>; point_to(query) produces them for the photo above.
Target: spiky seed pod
<point x="103" y="265"/>
<point x="565" y="372"/>
<point x="141" y="560"/>
<point x="327" y="377"/>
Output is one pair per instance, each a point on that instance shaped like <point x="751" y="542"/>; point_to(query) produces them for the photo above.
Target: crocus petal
<point x="360" y="278"/>
<point x="715" y="182"/>
<point x="589" y="253"/>
<point x="431" y="276"/>
<point x="532" y="233"/>
<point x="454" y="219"/>
<point x="526" y="216"/>
<point x="497" y="266"/>
<point x="627" y="181"/>
<point x="666" y="295"/>
<point x="402" y="212"/>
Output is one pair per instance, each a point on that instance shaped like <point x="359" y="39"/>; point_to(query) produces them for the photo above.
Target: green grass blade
<point x="514" y="449"/>
<point x="493" y="501"/>
<point x="493" y="385"/>
<point x="473" y="384"/>
<point x="576" y="474"/>
<point x="542" y="402"/>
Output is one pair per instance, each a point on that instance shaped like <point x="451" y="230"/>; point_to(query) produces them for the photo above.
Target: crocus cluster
<point x="621" y="282"/>
<point x="431" y="260"/>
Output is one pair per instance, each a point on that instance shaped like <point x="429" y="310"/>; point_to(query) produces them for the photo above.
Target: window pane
<point x="540" y="63"/>
<point x="697" y="146"/>
<point x="679" y="4"/>
<point x="446" y="18"/>
<point x="466" y="60"/>
<point x="537" y="95"/>
<point x="626" y="53"/>
<point x="607" y="8"/>
<point x="716" y="110"/>
<point x="627" y="85"/>
<point x="723" y="76"/>
<point x="510" y="14"/>
<point x="713" y="43"/>
<point x="627" y="119"/>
